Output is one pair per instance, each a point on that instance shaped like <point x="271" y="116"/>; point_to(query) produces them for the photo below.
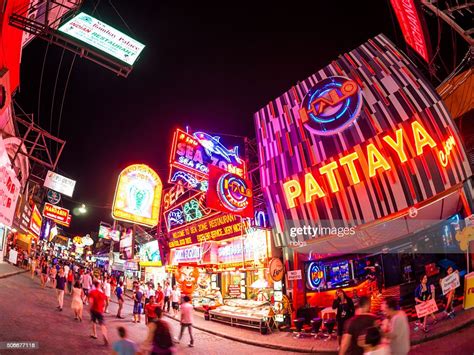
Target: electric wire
<point x="123" y="20"/>
<point x="41" y="81"/>
<point x="54" y="94"/>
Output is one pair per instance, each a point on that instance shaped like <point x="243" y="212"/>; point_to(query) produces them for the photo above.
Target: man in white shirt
<point x="187" y="319"/>
<point x="66" y="270"/>
<point x="399" y="332"/>
<point x="86" y="284"/>
<point x="106" y="288"/>
<point x="175" y="299"/>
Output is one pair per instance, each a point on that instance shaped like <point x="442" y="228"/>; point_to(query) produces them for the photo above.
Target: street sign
<point x="53" y="197"/>
<point x="294" y="275"/>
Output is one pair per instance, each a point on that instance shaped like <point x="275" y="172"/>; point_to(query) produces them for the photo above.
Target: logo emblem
<point x="53" y="197"/>
<point x="331" y="105"/>
<point x="315" y="275"/>
<point x="233" y="192"/>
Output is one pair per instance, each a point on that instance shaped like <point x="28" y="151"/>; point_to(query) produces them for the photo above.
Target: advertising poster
<point x="150" y="254"/>
<point x="9" y="188"/>
<point x="59" y="183"/>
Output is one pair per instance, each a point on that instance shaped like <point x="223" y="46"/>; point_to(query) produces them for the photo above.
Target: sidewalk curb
<point x="3" y="276"/>
<point x="444" y="333"/>
<point x="262" y="345"/>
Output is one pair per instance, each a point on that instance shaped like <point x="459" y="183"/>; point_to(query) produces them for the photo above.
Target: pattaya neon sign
<point x="315" y="275"/>
<point x="331" y="105"/>
<point x="233" y="192"/>
<point x="376" y="162"/>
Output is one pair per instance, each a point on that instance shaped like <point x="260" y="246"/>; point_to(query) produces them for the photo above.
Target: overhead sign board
<point x="105" y="38"/>
<point x="138" y="196"/>
<point x="57" y="214"/>
<point x="9" y="188"/>
<point x="59" y="183"/>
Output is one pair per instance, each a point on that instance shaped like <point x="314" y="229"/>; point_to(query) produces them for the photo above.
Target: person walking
<point x="167" y="293"/>
<point x="70" y="281"/>
<point x="175" y="299"/>
<point x="149" y="291"/>
<point x="150" y="310"/>
<point x="120" y="300"/>
<point x="399" y="329"/>
<point x="86" y="281"/>
<point x="60" y="286"/>
<point x="44" y="273"/>
<point x="124" y="346"/>
<point x="159" y="335"/>
<point x="371" y="342"/>
<point x="355" y="327"/>
<point x="137" y="304"/>
<point x="34" y="262"/>
<point x="97" y="304"/>
<point x="77" y="303"/>
<point x="66" y="269"/>
<point x="187" y="319"/>
<point x="106" y="288"/>
<point x="345" y="310"/>
<point x="160" y="297"/>
<point x="53" y="272"/>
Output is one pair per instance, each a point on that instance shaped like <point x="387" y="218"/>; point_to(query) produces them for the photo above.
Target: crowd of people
<point x="95" y="290"/>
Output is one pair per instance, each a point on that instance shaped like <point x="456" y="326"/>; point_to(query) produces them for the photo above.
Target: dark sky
<point x="209" y="65"/>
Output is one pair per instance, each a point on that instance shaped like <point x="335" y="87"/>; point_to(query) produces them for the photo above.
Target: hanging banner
<point x="35" y="222"/>
<point x="138" y="196"/>
<point x="9" y="188"/>
<point x="59" y="183"/>
<point x="57" y="214"/>
<point x="229" y="193"/>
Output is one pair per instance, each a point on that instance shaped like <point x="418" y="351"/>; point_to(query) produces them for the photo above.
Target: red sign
<point x="229" y="193"/>
<point x="220" y="227"/>
<point x="36" y="221"/>
<point x="57" y="214"/>
<point x="412" y="26"/>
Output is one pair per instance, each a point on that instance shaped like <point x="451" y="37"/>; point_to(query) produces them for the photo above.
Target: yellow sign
<point x="469" y="291"/>
<point x="464" y="237"/>
<point x="138" y="196"/>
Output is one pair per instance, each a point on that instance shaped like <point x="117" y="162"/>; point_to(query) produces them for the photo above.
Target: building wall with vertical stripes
<point x="394" y="94"/>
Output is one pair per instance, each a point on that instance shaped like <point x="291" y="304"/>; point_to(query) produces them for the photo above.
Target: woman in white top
<point x="76" y="303"/>
<point x="106" y="288"/>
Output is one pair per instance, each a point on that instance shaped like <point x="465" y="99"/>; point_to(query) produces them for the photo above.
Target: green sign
<point x="105" y="38"/>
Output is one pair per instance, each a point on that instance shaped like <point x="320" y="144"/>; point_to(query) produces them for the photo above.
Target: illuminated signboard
<point x="400" y="149"/>
<point x="413" y="26"/>
<point x="104" y="231"/>
<point x="126" y="244"/>
<point x="192" y="154"/>
<point x="331" y="105"/>
<point x="214" y="228"/>
<point x="255" y="246"/>
<point x="189" y="254"/>
<point x="150" y="254"/>
<point x="187" y="211"/>
<point x="59" y="183"/>
<point x="314" y="275"/>
<point x="105" y="38"/>
<point x="57" y="214"/>
<point x="138" y="196"/>
<point x="35" y="221"/>
<point x="229" y="193"/>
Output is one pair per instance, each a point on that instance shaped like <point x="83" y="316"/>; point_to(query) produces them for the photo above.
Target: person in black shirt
<point x="345" y="310"/>
<point x="60" y="285"/>
<point x="356" y="326"/>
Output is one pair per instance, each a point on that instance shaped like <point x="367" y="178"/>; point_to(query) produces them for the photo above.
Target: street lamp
<point x="82" y="209"/>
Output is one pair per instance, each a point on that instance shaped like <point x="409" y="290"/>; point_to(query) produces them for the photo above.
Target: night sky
<point x="208" y="65"/>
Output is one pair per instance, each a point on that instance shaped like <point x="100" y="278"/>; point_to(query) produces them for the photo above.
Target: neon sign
<point x="187" y="211"/>
<point x="233" y="192"/>
<point x="57" y="214"/>
<point x="314" y="275"/>
<point x="331" y="105"/>
<point x="138" y="196"/>
<point x="192" y="155"/>
<point x="372" y="162"/>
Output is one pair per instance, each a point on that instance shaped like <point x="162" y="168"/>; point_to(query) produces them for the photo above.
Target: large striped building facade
<point x="394" y="96"/>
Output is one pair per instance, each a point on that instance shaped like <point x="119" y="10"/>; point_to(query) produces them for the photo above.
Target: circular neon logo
<point x="315" y="275"/>
<point x="233" y="192"/>
<point x="331" y="105"/>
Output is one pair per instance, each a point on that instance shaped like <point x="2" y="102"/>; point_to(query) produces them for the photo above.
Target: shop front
<point x="151" y="266"/>
<point x="366" y="181"/>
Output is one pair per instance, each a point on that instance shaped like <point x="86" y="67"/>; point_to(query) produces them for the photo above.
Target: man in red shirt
<point x="160" y="297"/>
<point x="97" y="302"/>
<point x="150" y="307"/>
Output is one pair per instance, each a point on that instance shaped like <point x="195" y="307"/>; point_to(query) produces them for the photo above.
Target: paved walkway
<point x="285" y="340"/>
<point x="7" y="270"/>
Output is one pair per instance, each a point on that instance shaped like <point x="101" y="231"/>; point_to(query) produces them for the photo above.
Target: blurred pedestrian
<point x="160" y="297"/>
<point x="175" y="299"/>
<point x="150" y="310"/>
<point x="124" y="346"/>
<point x="356" y="326"/>
<point x="77" y="303"/>
<point x="345" y="310"/>
<point x="399" y="329"/>
<point x="70" y="281"/>
<point x="149" y="291"/>
<point x="159" y="335"/>
<point x="86" y="282"/>
<point x="167" y="293"/>
<point x="120" y="300"/>
<point x="106" y="288"/>
<point x="187" y="319"/>
<point x="137" y="304"/>
<point x="52" y="275"/>
<point x="33" y="267"/>
<point x="44" y="273"/>
<point x="60" y="286"/>
<point x="371" y="342"/>
<point x="97" y="304"/>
